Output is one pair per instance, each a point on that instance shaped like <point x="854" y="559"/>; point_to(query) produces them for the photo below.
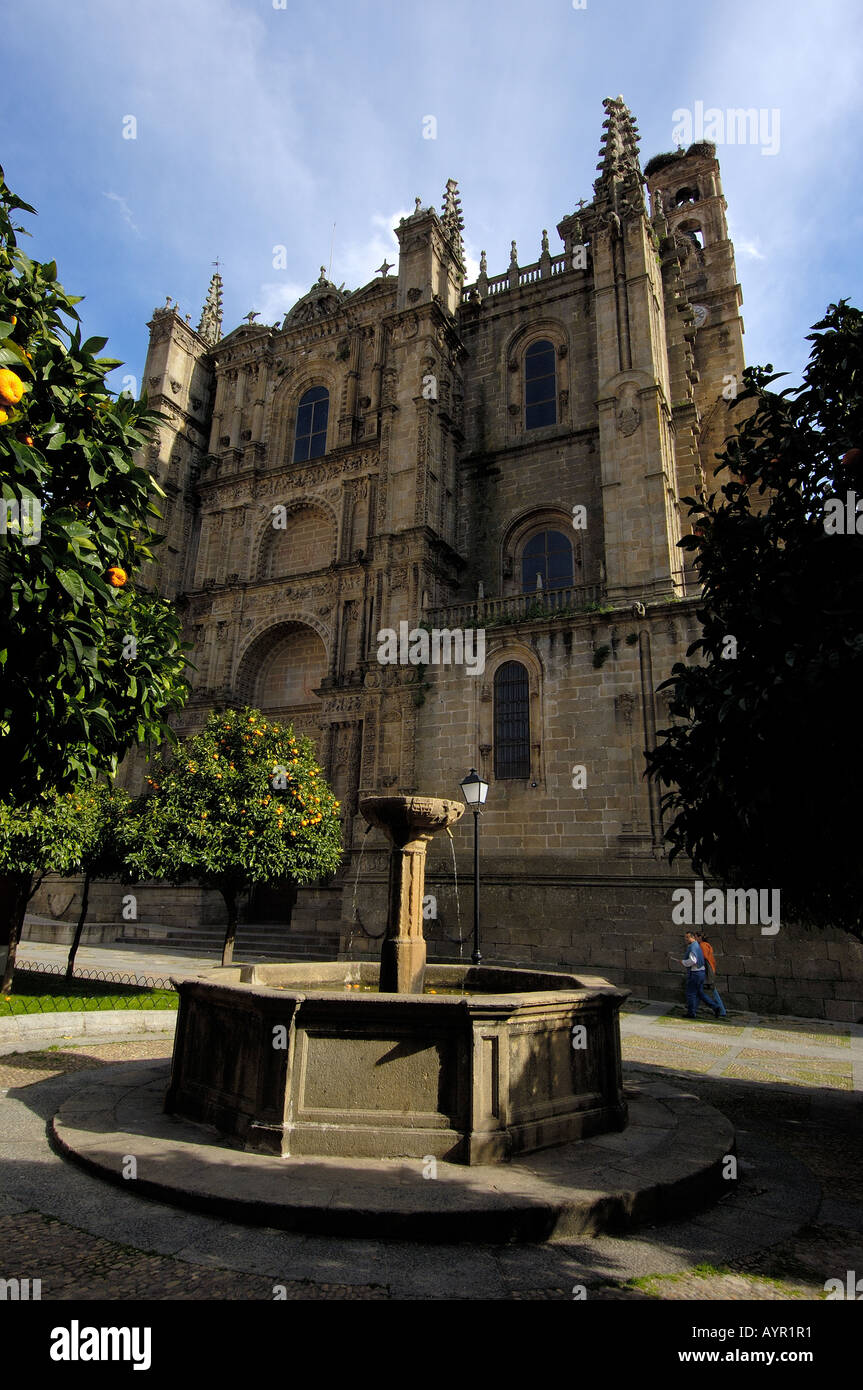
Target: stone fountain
<point x="469" y="1064"/>
<point x="409" y="822"/>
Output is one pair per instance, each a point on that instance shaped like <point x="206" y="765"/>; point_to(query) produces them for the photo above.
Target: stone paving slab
<point x="768" y="1230"/>
<point x="198" y="1246"/>
<point x="572" y="1188"/>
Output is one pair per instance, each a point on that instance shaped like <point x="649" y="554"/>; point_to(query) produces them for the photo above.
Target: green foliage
<point x="764" y="761"/>
<point x="600" y="656"/>
<point x="72" y="700"/>
<point x="215" y="815"/>
<point x="62" y="833"/>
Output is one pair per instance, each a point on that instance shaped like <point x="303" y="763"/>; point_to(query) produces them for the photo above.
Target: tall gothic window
<point x="548" y="556"/>
<point x="511" y="721"/>
<point x="540" y="385"/>
<point x="310" y="436"/>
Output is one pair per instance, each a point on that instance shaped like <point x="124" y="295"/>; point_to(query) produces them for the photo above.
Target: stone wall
<point x="618" y="923"/>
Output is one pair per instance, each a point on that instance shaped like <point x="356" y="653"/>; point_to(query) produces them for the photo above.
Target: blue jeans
<point x="717" y="999"/>
<point x="695" y="993"/>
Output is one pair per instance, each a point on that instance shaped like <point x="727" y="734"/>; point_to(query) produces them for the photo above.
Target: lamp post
<point x="475" y="790"/>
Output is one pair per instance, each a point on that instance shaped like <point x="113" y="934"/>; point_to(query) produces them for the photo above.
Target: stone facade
<point x="434" y="480"/>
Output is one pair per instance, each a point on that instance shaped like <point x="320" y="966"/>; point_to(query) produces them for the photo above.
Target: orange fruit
<point x="11" y="387"/>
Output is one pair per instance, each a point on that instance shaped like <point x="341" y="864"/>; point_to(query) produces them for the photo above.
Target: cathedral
<point x="418" y="469"/>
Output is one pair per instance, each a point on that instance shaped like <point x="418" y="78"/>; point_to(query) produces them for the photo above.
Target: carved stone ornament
<point x="628" y="413"/>
<point x="624" y="705"/>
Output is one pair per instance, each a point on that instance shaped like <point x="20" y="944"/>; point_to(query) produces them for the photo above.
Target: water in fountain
<point x="457" y="903"/>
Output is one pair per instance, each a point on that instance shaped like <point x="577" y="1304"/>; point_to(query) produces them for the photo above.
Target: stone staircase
<point x="314" y="933"/>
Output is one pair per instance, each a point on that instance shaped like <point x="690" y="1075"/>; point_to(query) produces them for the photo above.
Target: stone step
<point x="667" y="1164"/>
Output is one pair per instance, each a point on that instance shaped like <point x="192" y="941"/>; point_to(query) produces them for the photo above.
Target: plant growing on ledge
<point x="241" y="802"/>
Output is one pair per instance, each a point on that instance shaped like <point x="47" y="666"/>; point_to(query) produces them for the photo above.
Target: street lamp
<point x="475" y="790"/>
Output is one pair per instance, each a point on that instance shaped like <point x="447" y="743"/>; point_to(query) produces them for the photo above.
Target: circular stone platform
<point x="667" y="1163"/>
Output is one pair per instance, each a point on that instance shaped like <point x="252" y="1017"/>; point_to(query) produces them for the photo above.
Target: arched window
<point x="540" y="385"/>
<point x="310" y="436"/>
<point x="511" y="721"/>
<point x="693" y="230"/>
<point x="549" y="556"/>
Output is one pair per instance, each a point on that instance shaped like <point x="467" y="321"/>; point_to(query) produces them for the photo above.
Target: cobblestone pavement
<point x="791" y="1084"/>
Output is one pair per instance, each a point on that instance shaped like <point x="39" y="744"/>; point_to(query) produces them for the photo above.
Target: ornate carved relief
<point x="628" y="412"/>
<point x="624" y="706"/>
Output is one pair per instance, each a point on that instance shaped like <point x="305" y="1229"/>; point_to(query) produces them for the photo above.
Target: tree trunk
<point x="230" y="896"/>
<point x="14" y="892"/>
<point x="76" y="939"/>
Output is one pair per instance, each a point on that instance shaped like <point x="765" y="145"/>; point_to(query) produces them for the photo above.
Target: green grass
<point x="652" y="1284"/>
<point x="35" y="993"/>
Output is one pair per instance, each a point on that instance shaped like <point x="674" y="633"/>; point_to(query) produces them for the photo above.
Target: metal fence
<point x="42" y="996"/>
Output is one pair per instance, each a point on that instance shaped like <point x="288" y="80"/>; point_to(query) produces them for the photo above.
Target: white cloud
<point x="743" y="246"/>
<point x="276" y="297"/>
<point x="125" y="209"/>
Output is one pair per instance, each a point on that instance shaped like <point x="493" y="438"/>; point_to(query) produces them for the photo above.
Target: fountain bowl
<point x="406" y="818"/>
<point x="492" y="1062"/>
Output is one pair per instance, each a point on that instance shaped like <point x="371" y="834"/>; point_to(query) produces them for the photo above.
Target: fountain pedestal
<point x="409" y="822"/>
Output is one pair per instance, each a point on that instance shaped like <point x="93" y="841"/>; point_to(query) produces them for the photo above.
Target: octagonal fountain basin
<point x="488" y="1063"/>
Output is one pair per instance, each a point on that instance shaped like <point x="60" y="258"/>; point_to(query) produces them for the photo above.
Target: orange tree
<point x="64" y="833"/>
<point x="90" y="664"/>
<point x="239" y="803"/>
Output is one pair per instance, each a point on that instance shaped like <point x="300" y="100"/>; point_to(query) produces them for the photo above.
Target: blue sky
<point x="260" y="126"/>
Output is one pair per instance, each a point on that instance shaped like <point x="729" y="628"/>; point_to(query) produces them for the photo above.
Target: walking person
<point x="693" y="963"/>
<point x="710" y="975"/>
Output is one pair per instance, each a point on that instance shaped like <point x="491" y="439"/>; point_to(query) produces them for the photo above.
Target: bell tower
<point x="179" y="381"/>
<point x="690" y="210"/>
<point x="638" y="478"/>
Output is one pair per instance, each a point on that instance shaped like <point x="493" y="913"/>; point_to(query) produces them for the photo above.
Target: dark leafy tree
<point x="764" y="760"/>
<point x="62" y="833"/>
<point x="102" y="855"/>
